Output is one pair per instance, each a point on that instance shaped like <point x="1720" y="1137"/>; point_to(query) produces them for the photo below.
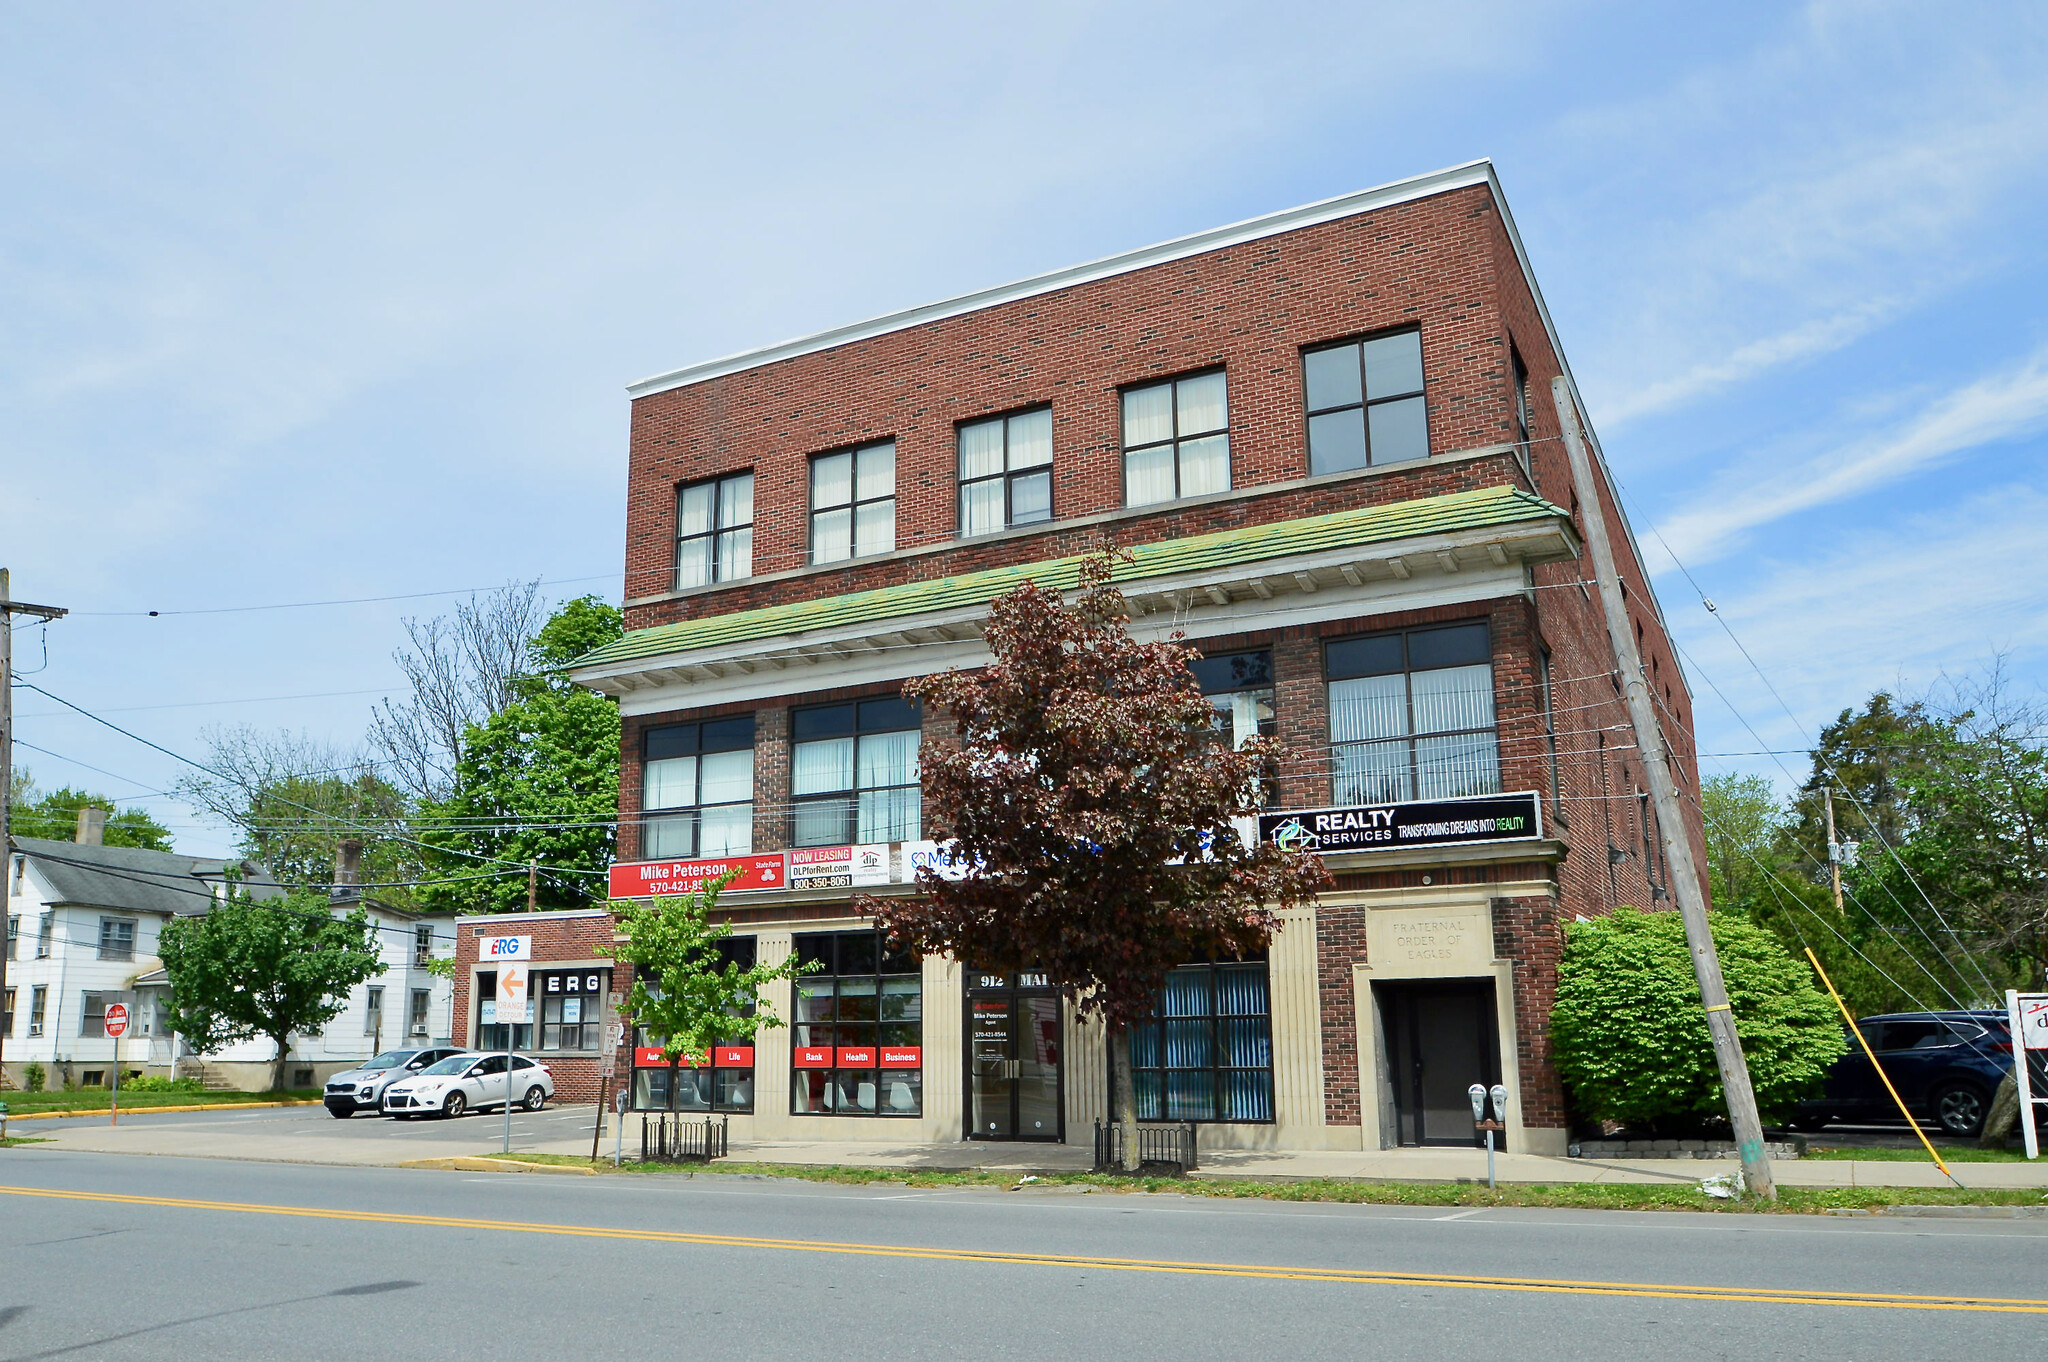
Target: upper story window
<point x="1520" y="375"/>
<point x="853" y="503"/>
<point x="697" y="790"/>
<point x="1176" y="439"/>
<point x="1240" y="690"/>
<point x="1411" y="715"/>
<point x="422" y="945"/>
<point x="1006" y="472"/>
<point x="117" y="938"/>
<point x="853" y="773"/>
<point x="1365" y="403"/>
<point x="715" y="531"/>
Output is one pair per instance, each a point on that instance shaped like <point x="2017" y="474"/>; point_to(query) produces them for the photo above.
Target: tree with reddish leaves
<point x="1098" y="810"/>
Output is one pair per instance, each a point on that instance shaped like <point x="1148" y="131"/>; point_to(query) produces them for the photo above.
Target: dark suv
<point x="1946" y="1066"/>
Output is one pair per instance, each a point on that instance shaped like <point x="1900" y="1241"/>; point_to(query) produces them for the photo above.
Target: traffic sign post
<point x="515" y="1001"/>
<point x="117" y="1027"/>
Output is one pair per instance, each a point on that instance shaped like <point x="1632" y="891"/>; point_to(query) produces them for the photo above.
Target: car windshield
<point x="390" y="1059"/>
<point x="454" y="1064"/>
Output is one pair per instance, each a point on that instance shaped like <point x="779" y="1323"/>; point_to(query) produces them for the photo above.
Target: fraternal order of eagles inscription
<point x="1428" y="940"/>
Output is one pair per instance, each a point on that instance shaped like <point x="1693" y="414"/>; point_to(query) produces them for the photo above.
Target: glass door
<point x="1013" y="1058"/>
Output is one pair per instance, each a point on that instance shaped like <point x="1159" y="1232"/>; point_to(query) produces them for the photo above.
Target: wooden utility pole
<point x="1834" y="856"/>
<point x="1671" y="823"/>
<point x="9" y="608"/>
<point x="532" y="885"/>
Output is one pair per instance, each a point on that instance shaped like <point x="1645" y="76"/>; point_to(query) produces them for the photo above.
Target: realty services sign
<point x="1417" y="823"/>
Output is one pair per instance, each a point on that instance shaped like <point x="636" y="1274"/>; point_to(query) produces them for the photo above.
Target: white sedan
<point x="470" y="1082"/>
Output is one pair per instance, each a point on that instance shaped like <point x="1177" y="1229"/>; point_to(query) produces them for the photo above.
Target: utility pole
<point x="9" y="608"/>
<point x="532" y="885"/>
<point x="1656" y="756"/>
<point x="1834" y="855"/>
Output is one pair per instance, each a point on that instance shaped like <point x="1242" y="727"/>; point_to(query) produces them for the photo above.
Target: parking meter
<point x="1477" y="1092"/>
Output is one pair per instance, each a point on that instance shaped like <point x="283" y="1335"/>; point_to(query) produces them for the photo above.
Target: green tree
<point x="1630" y="1039"/>
<point x="685" y="994"/>
<point x="55" y="815"/>
<point x="1743" y="816"/>
<point x="269" y="968"/>
<point x="1099" y="813"/>
<point x="1866" y="756"/>
<point x="538" y="781"/>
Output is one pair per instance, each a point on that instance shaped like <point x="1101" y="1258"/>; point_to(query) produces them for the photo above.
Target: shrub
<point x="34" y="1076"/>
<point x="1630" y="1039"/>
<point x="160" y="1083"/>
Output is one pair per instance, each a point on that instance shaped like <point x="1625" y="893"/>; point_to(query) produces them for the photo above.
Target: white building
<point x="82" y="927"/>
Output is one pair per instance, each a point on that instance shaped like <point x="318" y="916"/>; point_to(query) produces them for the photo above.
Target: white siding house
<point x="83" y="923"/>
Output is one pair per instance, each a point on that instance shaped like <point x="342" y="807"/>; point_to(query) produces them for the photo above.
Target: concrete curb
<point x="475" y="1164"/>
<point x="142" y="1111"/>
<point x="1972" y="1212"/>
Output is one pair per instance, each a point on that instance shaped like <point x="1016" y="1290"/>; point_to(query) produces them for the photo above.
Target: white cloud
<point x="1996" y="407"/>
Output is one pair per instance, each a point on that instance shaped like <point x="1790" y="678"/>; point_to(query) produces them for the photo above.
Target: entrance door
<point x="1441" y="1038"/>
<point x="1013" y="1058"/>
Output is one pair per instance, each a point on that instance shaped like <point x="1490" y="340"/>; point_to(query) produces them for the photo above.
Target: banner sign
<point x="2031" y="1011"/>
<point x="811" y="1057"/>
<point x="938" y="858"/>
<point x="1428" y="822"/>
<point x="650" y="879"/>
<point x="723" y="1056"/>
<point x="840" y="867"/>
<point x="902" y="1057"/>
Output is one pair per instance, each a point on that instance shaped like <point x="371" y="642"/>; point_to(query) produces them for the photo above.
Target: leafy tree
<point x="1631" y="1041"/>
<point x="1743" y="816"/>
<point x="1865" y="756"/>
<point x="270" y="967"/>
<point x="1096" y="808"/>
<point x="55" y="816"/>
<point x="684" y="991"/>
<point x="538" y="781"/>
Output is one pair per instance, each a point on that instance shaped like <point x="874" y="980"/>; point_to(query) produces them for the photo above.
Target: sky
<point x="308" y="304"/>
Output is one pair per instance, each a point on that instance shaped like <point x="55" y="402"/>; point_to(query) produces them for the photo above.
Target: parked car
<point x="468" y="1081"/>
<point x="1945" y="1065"/>
<point x="362" y="1088"/>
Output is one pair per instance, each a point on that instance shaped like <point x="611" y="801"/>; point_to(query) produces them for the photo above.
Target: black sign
<point x="1428" y="822"/>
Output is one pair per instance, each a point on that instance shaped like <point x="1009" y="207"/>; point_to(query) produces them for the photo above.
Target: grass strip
<point x="1960" y="1153"/>
<point x="96" y="1099"/>
<point x="1600" y="1196"/>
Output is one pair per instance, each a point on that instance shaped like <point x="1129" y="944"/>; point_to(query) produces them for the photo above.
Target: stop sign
<point x="117" y="1020"/>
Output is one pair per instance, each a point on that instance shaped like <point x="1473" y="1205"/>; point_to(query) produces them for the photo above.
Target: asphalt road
<point x="113" y="1257"/>
<point x="308" y="1134"/>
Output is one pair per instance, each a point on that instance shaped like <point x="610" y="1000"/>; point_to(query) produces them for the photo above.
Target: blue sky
<point x="304" y="305"/>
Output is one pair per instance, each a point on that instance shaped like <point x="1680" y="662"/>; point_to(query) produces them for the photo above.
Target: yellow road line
<point x="1360" y="1276"/>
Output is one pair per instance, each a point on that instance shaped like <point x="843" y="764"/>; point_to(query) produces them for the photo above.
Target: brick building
<point x="1327" y="437"/>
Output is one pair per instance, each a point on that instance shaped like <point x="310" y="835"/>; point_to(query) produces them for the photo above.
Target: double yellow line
<point x="1354" y="1277"/>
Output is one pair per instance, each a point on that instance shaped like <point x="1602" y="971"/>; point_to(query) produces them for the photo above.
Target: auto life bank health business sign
<point x="1387" y="827"/>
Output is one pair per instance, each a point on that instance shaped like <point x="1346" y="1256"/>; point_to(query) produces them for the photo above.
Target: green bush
<point x="34" y="1076"/>
<point x="160" y="1083"/>
<point x="1630" y="1039"/>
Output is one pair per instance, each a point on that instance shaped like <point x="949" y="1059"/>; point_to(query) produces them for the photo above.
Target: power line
<point x="353" y="600"/>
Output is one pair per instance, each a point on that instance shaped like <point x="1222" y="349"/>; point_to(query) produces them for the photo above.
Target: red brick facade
<point x="558" y="939"/>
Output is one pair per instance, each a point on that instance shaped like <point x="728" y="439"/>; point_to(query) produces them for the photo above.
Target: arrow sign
<point x="515" y="1000"/>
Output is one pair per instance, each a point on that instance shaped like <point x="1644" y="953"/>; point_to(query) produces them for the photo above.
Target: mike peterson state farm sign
<point x="650" y="879"/>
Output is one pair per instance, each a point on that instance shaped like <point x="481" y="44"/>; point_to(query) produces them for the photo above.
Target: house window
<point x="571" y="1008"/>
<point x="853" y="503"/>
<point x="416" y="1025"/>
<point x="46" y="934"/>
<point x="13" y="935"/>
<point x="1365" y="403"/>
<point x="117" y="938"/>
<point x="37" y="1000"/>
<point x="858" y="1047"/>
<point x="1006" y="472"/>
<point x="422" y="945"/>
<point x="1176" y="439"/>
<point x="715" y="531"/>
<point x="1411" y="715"/>
<point x="725" y="1082"/>
<point x="1206" y="1054"/>
<point x="7" y="1013"/>
<point x="853" y="773"/>
<point x="1240" y="689"/>
<point x="92" y="1015"/>
<point x="373" y="1013"/>
<point x="697" y="789"/>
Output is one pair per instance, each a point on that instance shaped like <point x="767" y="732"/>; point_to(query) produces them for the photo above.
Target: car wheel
<point x="1811" y="1125"/>
<point x="535" y="1098"/>
<point x="1959" y="1109"/>
<point x="456" y="1104"/>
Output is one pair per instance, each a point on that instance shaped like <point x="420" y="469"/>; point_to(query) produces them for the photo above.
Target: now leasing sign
<point x="1389" y="827"/>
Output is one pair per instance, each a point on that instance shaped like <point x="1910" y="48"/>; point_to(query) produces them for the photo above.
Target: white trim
<point x="1180" y="248"/>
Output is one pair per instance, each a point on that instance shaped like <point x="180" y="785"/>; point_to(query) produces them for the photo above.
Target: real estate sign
<point x="1389" y="827"/>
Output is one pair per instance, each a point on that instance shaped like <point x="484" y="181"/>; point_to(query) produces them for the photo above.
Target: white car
<point x="469" y="1082"/>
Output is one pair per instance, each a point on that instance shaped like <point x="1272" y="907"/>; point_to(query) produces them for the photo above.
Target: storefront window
<point x="571" y="1008"/>
<point x="858" y="1047"/>
<point x="1207" y="1053"/>
<point x="1411" y="715"/>
<point x="724" y="1083"/>
<point x="490" y="1032"/>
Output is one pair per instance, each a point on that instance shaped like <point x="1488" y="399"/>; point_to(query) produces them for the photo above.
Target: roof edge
<point x="1124" y="262"/>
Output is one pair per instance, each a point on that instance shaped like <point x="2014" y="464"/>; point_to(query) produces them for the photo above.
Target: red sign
<point x="812" y="1057"/>
<point x="650" y="879"/>
<point x="117" y="1020"/>
<point x="733" y="1056"/>
<point x="902" y="1057"/>
<point x="857" y="1057"/>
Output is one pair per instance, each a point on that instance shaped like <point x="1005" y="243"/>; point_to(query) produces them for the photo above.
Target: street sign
<point x="515" y="998"/>
<point x="2027" y="1017"/>
<point x="117" y="1020"/>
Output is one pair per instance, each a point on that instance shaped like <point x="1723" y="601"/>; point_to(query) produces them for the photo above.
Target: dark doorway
<point x="1441" y="1038"/>
<point x="1013" y="1057"/>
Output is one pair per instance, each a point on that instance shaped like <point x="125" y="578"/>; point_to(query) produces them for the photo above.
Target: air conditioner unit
<point x="419" y="1030"/>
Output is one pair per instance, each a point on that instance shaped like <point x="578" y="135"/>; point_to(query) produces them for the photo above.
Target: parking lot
<point x="309" y="1135"/>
